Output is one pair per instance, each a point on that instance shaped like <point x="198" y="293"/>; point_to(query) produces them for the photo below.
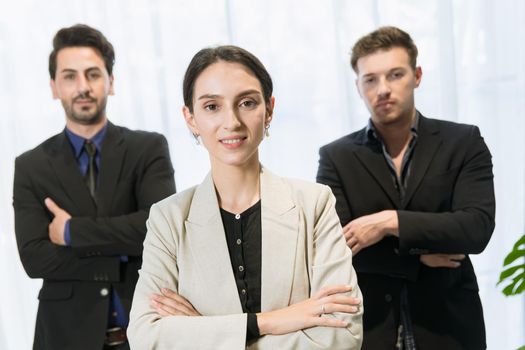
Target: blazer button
<point x="104" y="292"/>
<point x="388" y="298"/>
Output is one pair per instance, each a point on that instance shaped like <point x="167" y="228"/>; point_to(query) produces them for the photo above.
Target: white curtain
<point x="472" y="54"/>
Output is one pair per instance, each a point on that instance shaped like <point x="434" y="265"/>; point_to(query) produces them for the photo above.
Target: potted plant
<point x="514" y="272"/>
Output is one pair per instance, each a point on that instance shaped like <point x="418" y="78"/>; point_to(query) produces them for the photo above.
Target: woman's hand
<point x="307" y="313"/>
<point x="170" y="303"/>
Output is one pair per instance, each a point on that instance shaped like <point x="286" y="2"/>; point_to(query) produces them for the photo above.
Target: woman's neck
<point x="238" y="187"/>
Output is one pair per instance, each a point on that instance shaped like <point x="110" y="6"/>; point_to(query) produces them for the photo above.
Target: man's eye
<point x="397" y="75"/>
<point x="248" y="103"/>
<point x="211" y="107"/>
<point x="93" y="76"/>
<point x="69" y="77"/>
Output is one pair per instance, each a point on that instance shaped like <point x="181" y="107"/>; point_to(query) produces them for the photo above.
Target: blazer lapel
<point x="428" y="143"/>
<point x="67" y="171"/>
<point x="209" y="248"/>
<point x="112" y="156"/>
<point x="372" y="158"/>
<point x="280" y="224"/>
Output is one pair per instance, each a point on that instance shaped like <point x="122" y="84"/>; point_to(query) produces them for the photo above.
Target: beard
<point x="86" y="115"/>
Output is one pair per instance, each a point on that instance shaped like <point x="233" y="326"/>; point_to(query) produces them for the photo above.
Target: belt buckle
<point x="115" y="336"/>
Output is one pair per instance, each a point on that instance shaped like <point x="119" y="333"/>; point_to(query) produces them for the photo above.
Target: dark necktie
<point x="91" y="174"/>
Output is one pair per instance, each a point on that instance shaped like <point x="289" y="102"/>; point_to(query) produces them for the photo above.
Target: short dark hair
<point x="384" y="38"/>
<point x="228" y="53"/>
<point x="81" y="35"/>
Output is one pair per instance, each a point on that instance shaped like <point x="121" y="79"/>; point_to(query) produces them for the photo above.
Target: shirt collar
<point x="78" y="141"/>
<point x="372" y="134"/>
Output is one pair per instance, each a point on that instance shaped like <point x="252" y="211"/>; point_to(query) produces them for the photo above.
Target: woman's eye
<point x="210" y="107"/>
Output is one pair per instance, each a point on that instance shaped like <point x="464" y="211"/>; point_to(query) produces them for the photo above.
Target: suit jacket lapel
<point x="112" y="156"/>
<point x="372" y="158"/>
<point x="209" y="248"/>
<point x="67" y="171"/>
<point x="280" y="224"/>
<point x="428" y="143"/>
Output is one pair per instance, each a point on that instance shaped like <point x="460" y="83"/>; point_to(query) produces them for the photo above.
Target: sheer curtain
<point x="472" y="54"/>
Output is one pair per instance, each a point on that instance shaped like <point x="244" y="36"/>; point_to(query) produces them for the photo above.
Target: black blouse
<point x="243" y="235"/>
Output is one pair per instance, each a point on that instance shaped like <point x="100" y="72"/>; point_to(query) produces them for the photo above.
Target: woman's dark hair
<point x="228" y="53"/>
<point x="81" y="35"/>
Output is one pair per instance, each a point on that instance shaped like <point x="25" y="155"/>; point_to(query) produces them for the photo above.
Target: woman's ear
<point x="190" y="121"/>
<point x="269" y="111"/>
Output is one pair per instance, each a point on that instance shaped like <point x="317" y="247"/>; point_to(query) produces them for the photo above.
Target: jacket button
<point x="388" y="298"/>
<point x="104" y="292"/>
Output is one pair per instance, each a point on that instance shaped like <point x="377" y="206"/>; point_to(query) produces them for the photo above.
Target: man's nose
<point x="83" y="85"/>
<point x="383" y="88"/>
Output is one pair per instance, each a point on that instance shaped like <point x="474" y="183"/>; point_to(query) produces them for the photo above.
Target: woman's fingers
<point x="164" y="309"/>
<point x="175" y="296"/>
<point x="344" y="308"/>
<point x="333" y="289"/>
<point x="174" y="304"/>
<point x="339" y="303"/>
<point x="329" y="322"/>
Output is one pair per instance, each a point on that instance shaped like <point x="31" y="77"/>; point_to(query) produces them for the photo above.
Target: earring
<point x="197" y="140"/>
<point x="266" y="131"/>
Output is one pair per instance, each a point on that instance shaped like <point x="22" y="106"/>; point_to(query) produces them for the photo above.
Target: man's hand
<point x="56" y="227"/>
<point x="370" y="229"/>
<point x="442" y="260"/>
<point x="170" y="303"/>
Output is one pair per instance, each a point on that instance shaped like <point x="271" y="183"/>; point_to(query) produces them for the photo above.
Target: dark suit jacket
<point x="135" y="172"/>
<point x="449" y="207"/>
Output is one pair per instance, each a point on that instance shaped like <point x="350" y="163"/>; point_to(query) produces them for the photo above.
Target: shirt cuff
<point x="252" y="329"/>
<point x="67" y="233"/>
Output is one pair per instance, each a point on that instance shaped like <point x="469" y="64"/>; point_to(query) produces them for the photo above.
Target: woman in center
<point x="246" y="259"/>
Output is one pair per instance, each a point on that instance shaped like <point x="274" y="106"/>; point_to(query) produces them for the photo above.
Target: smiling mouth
<point x="232" y="141"/>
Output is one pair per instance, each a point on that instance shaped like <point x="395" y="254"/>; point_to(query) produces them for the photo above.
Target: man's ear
<point x="357" y="87"/>
<point x="111" y="88"/>
<point x="418" y="74"/>
<point x="54" y="90"/>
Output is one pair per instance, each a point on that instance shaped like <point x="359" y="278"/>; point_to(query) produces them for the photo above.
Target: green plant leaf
<point x="516" y="284"/>
<point x="509" y="272"/>
<point x="519" y="242"/>
<point x="520" y="286"/>
<point x="514" y="273"/>
<point x="513" y="255"/>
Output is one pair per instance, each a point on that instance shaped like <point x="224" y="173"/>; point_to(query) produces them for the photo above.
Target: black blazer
<point x="449" y="207"/>
<point x="135" y="172"/>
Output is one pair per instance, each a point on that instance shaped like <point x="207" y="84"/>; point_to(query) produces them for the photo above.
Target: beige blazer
<point x="185" y="249"/>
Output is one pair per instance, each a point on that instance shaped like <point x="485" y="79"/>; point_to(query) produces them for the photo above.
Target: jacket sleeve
<point x="468" y="226"/>
<point x="40" y="257"/>
<point x="124" y="234"/>
<point x="327" y="174"/>
<point x="146" y="329"/>
<point x="331" y="264"/>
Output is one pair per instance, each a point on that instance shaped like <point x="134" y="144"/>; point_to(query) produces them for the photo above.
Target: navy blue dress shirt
<point x="117" y="316"/>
